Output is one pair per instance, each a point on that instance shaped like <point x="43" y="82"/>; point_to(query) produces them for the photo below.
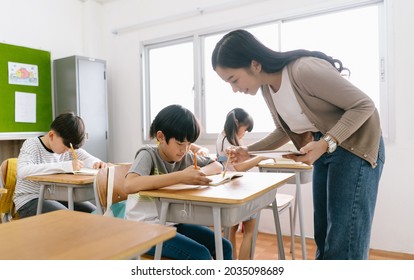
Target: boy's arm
<point x="191" y="176"/>
<point x="135" y="182"/>
<point x="26" y="166"/>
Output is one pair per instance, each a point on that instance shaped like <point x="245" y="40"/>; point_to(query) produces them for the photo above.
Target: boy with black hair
<point x="171" y="162"/>
<point x="49" y="154"/>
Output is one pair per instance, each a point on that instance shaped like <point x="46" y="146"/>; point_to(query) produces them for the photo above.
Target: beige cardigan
<point x="332" y="104"/>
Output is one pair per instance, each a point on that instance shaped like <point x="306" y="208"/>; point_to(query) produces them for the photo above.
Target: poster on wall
<point x="23" y="74"/>
<point x="25" y="107"/>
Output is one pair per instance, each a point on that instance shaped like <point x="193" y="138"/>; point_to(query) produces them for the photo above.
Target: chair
<point x="284" y="202"/>
<point x="108" y="187"/>
<point x="8" y="171"/>
<point x="105" y="196"/>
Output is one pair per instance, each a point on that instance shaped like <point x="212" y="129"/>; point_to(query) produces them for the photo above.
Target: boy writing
<point x="49" y="154"/>
<point x="171" y="162"/>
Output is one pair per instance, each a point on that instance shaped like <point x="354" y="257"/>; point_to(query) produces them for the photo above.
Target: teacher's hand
<point x="312" y="152"/>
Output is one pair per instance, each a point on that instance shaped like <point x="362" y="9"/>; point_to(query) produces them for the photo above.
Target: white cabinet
<point x="80" y="87"/>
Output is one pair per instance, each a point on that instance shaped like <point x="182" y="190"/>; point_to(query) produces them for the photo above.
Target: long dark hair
<point x="238" y="48"/>
<point x="234" y="120"/>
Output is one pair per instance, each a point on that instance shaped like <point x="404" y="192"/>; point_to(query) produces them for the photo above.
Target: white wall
<point x="85" y="28"/>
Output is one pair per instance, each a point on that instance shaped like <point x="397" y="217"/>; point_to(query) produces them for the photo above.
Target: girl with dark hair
<point x="327" y="118"/>
<point x="238" y="122"/>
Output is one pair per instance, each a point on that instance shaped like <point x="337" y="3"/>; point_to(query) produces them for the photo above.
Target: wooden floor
<point x="266" y="249"/>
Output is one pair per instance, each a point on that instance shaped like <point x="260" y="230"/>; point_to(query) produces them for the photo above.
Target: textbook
<point x="218" y="179"/>
<point x="86" y="171"/>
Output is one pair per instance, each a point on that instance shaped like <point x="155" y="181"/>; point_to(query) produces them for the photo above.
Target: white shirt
<point x="288" y="107"/>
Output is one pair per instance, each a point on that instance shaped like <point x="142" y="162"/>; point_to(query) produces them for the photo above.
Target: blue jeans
<point x="193" y="242"/>
<point x="30" y="208"/>
<point x="344" y="195"/>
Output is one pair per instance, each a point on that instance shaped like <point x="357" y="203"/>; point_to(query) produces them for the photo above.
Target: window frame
<point x="198" y="38"/>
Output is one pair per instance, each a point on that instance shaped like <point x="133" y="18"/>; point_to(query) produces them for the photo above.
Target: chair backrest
<point x="8" y="176"/>
<point x="103" y="180"/>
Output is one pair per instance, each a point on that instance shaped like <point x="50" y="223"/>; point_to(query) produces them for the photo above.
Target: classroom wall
<point x="85" y="28"/>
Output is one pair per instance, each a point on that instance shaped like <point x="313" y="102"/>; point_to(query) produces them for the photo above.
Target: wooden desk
<point x="65" y="187"/>
<point x="220" y="206"/>
<point x="303" y="174"/>
<point x="73" y="235"/>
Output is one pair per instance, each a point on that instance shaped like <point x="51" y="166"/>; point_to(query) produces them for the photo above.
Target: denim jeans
<point x="30" y="208"/>
<point x="193" y="242"/>
<point x="344" y="195"/>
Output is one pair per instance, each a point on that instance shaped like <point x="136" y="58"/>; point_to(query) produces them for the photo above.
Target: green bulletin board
<point x="25" y="90"/>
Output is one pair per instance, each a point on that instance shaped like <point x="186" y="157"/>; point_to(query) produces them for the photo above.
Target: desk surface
<point x="75" y="179"/>
<point x="237" y="191"/>
<point x="75" y="235"/>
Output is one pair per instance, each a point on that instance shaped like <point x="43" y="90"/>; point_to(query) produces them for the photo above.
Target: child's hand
<point x="77" y="165"/>
<point x="99" y="165"/>
<point x="192" y="176"/>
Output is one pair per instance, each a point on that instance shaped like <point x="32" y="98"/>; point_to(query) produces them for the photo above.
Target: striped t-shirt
<point x="35" y="159"/>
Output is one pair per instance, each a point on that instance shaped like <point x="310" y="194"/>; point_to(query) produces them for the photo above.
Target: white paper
<point x="25" y="107"/>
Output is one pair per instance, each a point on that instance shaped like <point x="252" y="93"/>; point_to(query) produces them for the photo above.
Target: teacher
<point x="327" y="118"/>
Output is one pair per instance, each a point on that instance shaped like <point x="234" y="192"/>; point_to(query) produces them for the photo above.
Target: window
<point x="180" y="71"/>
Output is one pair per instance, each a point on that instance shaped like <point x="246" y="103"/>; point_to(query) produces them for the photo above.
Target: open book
<point x="86" y="171"/>
<point x="218" y="178"/>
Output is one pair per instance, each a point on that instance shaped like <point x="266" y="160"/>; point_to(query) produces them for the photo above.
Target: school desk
<point x="66" y="187"/>
<point x="303" y="174"/>
<point x="220" y="206"/>
<point x="73" y="235"/>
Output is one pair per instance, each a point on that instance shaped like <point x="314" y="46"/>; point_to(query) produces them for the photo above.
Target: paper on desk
<point x="86" y="171"/>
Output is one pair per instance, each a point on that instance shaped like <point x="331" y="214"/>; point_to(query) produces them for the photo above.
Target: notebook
<point x="218" y="179"/>
<point x="86" y="171"/>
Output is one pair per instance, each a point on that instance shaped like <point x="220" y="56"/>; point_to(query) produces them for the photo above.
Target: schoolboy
<point x="49" y="154"/>
<point x="172" y="162"/>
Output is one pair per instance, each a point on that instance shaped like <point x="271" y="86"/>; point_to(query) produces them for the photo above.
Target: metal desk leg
<point x="217" y="233"/>
<point x="298" y="206"/>
<point x="70" y="198"/>
<point x="279" y="237"/>
<point x="40" y="200"/>
<point x="163" y="218"/>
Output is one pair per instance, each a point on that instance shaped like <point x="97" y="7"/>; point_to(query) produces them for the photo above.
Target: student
<point x="170" y="162"/>
<point x="238" y="121"/>
<point x="326" y="117"/>
<point x="49" y="154"/>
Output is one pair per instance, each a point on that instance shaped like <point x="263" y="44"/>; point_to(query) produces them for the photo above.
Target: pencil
<point x="73" y="152"/>
<point x="225" y="167"/>
<point x="195" y="160"/>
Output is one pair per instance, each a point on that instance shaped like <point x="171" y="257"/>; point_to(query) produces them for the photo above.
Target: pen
<point x="195" y="161"/>
<point x="225" y="167"/>
<point x="73" y="152"/>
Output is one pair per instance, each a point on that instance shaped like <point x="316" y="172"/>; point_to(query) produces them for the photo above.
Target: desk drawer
<point x="56" y="192"/>
<point x="201" y="213"/>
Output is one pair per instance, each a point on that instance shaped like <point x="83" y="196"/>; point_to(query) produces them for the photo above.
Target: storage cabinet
<point x="80" y="87"/>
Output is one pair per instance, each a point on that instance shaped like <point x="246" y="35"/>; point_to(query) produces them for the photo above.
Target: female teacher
<point x="333" y="123"/>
